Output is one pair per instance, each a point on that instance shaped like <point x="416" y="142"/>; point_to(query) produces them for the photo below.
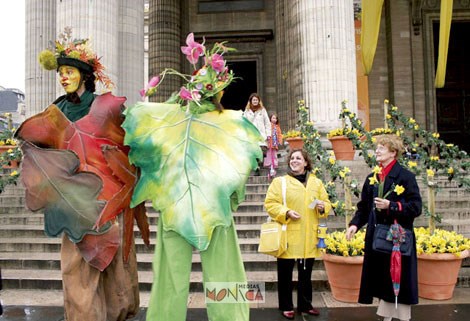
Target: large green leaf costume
<point x="193" y="166"/>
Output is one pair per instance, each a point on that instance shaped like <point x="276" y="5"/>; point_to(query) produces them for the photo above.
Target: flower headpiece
<point x="76" y="53"/>
<point x="205" y="85"/>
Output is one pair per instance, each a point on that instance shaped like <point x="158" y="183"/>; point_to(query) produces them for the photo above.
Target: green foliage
<point x="13" y="153"/>
<point x="325" y="166"/>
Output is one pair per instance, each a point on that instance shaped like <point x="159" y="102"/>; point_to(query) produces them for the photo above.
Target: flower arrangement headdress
<point x="203" y="89"/>
<point x="76" y="53"/>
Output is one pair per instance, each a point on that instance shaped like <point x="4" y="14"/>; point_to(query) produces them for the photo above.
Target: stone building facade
<point x="286" y="50"/>
<point x="303" y="49"/>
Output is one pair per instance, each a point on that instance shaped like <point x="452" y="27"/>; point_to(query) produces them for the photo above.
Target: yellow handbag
<point x="273" y="235"/>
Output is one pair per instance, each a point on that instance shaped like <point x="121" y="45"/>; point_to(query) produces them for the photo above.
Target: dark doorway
<point x="236" y="95"/>
<point x="453" y="101"/>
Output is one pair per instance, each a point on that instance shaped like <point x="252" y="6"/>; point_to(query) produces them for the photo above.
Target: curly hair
<point x="308" y="168"/>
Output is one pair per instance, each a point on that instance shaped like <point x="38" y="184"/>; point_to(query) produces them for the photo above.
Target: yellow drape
<point x="444" y="33"/>
<point x="370" y="16"/>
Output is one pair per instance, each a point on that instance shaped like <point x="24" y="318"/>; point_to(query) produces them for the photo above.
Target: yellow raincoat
<point x="301" y="234"/>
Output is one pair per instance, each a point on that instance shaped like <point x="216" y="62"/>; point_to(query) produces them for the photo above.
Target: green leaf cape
<point x="193" y="166"/>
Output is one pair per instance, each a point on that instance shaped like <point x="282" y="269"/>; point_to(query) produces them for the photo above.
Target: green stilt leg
<point x="221" y="262"/>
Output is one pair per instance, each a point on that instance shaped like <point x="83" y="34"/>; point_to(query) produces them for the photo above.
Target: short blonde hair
<point x="392" y="142"/>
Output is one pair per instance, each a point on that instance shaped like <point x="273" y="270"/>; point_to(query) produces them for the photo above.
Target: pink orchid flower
<point x="193" y="50"/>
<point x="148" y="89"/>
<point x="185" y="94"/>
<point x="217" y="62"/>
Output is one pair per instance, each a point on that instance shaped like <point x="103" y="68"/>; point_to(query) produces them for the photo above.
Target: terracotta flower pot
<point x="437" y="274"/>
<point x="295" y="143"/>
<point x="344" y="276"/>
<point x="6" y="148"/>
<point x="342" y="147"/>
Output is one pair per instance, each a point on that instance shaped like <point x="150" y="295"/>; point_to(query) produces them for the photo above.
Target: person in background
<point x="306" y="202"/>
<point x="256" y="113"/>
<point x="404" y="207"/>
<point x="273" y="143"/>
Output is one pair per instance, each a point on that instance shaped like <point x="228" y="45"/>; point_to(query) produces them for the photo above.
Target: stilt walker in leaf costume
<point x="195" y="159"/>
<point x="76" y="169"/>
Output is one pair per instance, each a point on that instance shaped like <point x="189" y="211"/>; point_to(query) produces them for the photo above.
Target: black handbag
<point x="381" y="244"/>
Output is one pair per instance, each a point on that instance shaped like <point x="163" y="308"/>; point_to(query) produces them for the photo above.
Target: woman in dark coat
<point x="404" y="207"/>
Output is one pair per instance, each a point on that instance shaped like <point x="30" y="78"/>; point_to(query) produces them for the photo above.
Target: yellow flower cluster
<point x="345" y="171"/>
<point x="337" y="244"/>
<point x="343" y="132"/>
<point x="441" y="241"/>
<point x="291" y="134"/>
<point x="382" y="131"/>
<point x="8" y="141"/>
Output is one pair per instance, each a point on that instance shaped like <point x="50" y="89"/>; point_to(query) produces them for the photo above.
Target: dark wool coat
<point x="376" y="280"/>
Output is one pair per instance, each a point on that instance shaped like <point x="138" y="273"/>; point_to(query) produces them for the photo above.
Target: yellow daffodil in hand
<point x="399" y="189"/>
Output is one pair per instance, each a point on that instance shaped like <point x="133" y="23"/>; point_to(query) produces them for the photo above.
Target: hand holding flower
<point x="381" y="203"/>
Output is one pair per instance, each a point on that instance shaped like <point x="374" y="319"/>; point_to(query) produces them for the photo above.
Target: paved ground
<point x="47" y="306"/>
<point x="445" y="312"/>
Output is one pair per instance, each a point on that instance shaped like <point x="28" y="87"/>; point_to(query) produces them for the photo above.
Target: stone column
<point x="164" y="44"/>
<point x="328" y="57"/>
<point x="131" y="50"/>
<point x="40" y="30"/>
<point x="289" y="64"/>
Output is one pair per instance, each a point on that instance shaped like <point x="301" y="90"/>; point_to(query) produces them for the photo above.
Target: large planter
<point x="295" y="143"/>
<point x="437" y="274"/>
<point x="342" y="147"/>
<point x="344" y="276"/>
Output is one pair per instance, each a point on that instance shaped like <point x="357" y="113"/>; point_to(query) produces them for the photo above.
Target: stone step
<point x="247" y="224"/>
<point x="52" y="279"/>
<point x="51" y="261"/>
<point x="45" y="244"/>
<point x="30" y="218"/>
<point x="37" y="231"/>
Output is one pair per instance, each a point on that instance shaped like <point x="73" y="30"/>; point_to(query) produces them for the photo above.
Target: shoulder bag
<point x="273" y="236"/>
<point x="382" y="243"/>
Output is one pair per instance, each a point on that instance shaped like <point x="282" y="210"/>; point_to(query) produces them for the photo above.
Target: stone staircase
<point x="30" y="260"/>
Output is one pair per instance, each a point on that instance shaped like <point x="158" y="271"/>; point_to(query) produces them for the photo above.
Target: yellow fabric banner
<point x="371" y="13"/>
<point x="444" y="33"/>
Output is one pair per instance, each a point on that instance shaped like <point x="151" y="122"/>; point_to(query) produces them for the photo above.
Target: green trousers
<point x="221" y="262"/>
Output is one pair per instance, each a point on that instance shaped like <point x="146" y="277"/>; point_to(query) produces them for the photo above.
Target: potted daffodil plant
<point x="294" y="139"/>
<point x="341" y="139"/>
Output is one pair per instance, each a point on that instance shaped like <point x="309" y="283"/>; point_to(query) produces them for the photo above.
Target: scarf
<point x="76" y="111"/>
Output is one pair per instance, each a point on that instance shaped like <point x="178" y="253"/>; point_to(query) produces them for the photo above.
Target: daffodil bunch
<point x="343" y="132"/>
<point x="441" y="241"/>
<point x="373" y="180"/>
<point x="292" y="133"/>
<point x="337" y="244"/>
<point x="384" y="131"/>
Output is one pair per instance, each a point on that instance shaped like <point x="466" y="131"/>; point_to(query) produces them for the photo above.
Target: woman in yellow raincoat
<point x="306" y="202"/>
